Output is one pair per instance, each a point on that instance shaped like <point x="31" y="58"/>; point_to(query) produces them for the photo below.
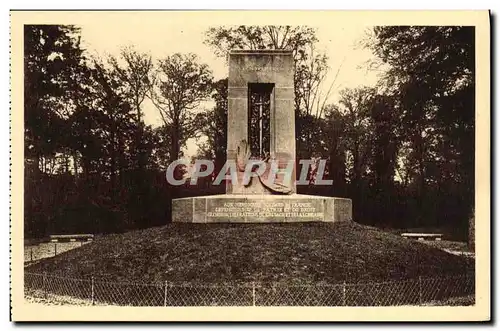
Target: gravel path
<point x="55" y="300"/>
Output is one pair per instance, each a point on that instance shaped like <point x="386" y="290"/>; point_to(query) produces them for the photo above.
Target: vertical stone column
<point x="237" y="114"/>
<point x="262" y="66"/>
<point x="284" y="124"/>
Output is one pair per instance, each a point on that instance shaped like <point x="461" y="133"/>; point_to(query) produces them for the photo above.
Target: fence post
<point x="92" y="290"/>
<point x="344" y="294"/>
<point x="31" y="254"/>
<point x="253" y="294"/>
<point x="420" y="290"/>
<point x="165" y="294"/>
<point x="44" y="285"/>
<point x="55" y="249"/>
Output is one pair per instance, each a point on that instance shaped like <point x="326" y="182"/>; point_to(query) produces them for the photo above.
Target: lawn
<point x="296" y="253"/>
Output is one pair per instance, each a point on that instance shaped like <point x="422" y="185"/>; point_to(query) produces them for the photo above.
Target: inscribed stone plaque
<point x="264" y="210"/>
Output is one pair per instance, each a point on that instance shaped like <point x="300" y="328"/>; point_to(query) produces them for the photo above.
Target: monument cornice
<point x="260" y="51"/>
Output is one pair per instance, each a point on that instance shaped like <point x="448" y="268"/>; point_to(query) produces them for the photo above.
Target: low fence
<point x="417" y="291"/>
<point x="49" y="249"/>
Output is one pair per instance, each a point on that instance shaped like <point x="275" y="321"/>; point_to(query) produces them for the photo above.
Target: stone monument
<point x="261" y="132"/>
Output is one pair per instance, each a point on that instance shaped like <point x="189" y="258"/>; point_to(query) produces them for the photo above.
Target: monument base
<point x="233" y="208"/>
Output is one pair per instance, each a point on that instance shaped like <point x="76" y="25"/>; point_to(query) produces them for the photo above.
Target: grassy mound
<point x="228" y="253"/>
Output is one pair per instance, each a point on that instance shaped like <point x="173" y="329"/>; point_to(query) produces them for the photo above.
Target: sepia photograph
<point x="201" y="159"/>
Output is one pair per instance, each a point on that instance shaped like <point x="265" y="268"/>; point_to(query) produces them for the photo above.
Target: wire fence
<point x="94" y="291"/>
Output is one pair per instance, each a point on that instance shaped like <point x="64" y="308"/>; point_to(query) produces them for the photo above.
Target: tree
<point x="115" y="116"/>
<point x="181" y="84"/>
<point x="385" y="141"/>
<point x="52" y="64"/>
<point x="53" y="72"/>
<point x="334" y="136"/>
<point x="136" y="74"/>
<point x="92" y="163"/>
<point x="431" y="78"/>
<point x="214" y="126"/>
<point x="355" y="104"/>
<point x="361" y="135"/>
<point x="135" y="70"/>
<point x="224" y="39"/>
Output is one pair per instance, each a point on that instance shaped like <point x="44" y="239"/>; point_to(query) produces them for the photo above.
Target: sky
<point x="340" y="42"/>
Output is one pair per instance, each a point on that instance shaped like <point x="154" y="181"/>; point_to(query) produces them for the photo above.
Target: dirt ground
<point x="58" y="300"/>
<point x="49" y="249"/>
